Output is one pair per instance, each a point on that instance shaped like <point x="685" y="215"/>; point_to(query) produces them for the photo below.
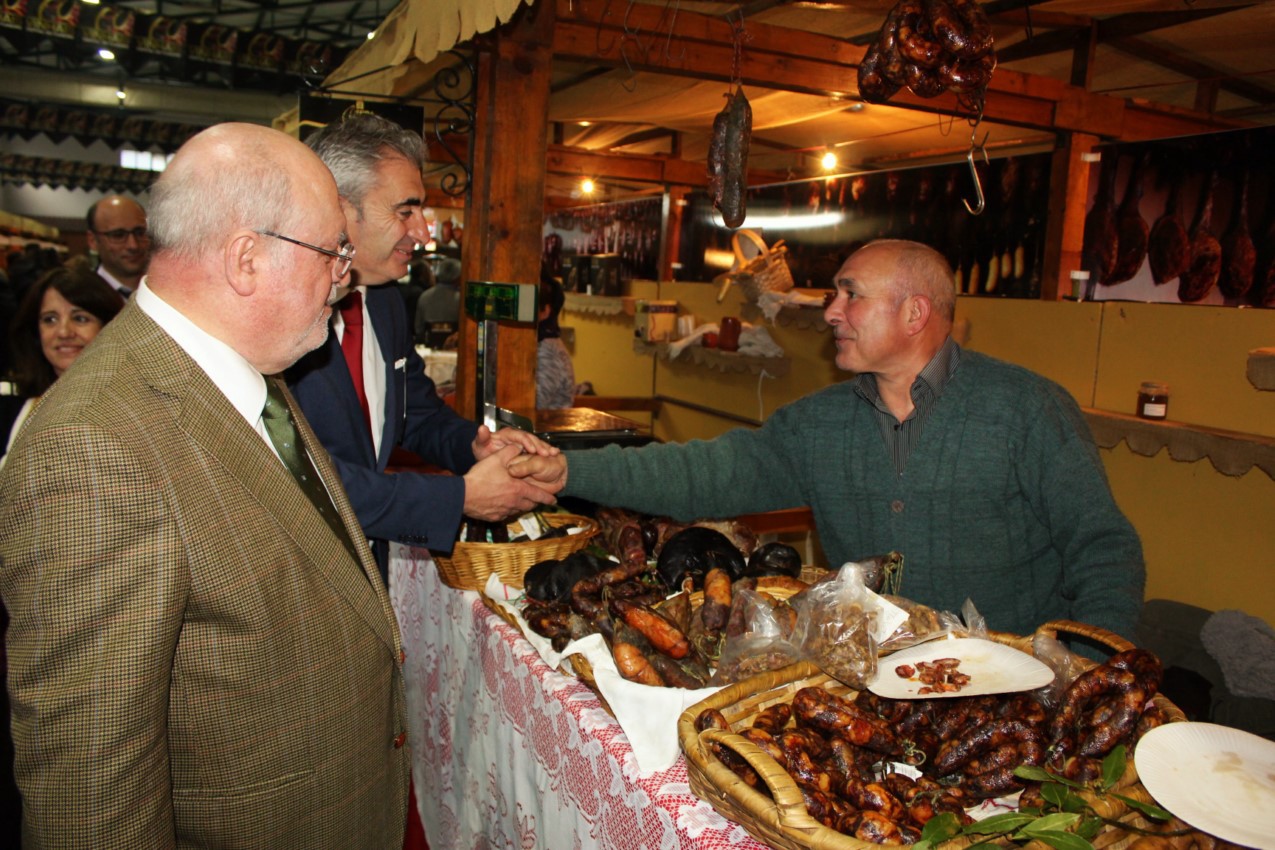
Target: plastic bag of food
<point x="835" y="627"/>
<point x="761" y="646"/>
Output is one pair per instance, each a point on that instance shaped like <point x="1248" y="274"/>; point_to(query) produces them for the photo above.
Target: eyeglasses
<point x="344" y="255"/>
<point x="120" y="236"/>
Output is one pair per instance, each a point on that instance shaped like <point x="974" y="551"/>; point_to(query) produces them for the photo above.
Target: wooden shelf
<point x="801" y="317"/>
<point x="722" y="361"/>
<point x="1230" y="452"/>
<point x="1261" y="368"/>
<point x="599" y="305"/>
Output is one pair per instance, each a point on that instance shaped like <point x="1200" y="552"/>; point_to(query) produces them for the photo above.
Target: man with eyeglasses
<point x="366" y="391"/>
<point x="117" y="234"/>
<point x="202" y="653"/>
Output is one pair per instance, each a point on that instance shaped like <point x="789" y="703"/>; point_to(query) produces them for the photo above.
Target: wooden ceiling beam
<point x="1065" y="29"/>
<point x="1082" y="58"/>
<point x="1201" y="71"/>
<point x="773" y="58"/>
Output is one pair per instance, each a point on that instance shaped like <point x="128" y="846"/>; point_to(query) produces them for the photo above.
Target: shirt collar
<point x="112" y="280"/>
<point x="929" y="384"/>
<point x="237" y="379"/>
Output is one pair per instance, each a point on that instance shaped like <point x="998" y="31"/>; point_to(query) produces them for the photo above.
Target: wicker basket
<point x="765" y="270"/>
<point x="783" y="822"/>
<point x="469" y="565"/>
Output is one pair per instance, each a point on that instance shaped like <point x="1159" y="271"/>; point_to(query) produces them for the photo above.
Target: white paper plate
<point x="1216" y="778"/>
<point x="993" y="668"/>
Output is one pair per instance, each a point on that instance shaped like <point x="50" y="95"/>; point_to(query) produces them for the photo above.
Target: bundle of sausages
<point x="929" y="46"/>
<point x="838" y="749"/>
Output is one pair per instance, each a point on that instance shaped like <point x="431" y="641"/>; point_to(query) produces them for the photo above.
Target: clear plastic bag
<point x="761" y="646"/>
<point x="835" y="624"/>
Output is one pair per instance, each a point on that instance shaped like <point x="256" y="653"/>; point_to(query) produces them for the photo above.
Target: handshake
<point x="515" y="472"/>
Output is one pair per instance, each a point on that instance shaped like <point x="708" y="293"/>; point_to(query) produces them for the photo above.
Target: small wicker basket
<point x="781" y="820"/>
<point x="469" y="565"/>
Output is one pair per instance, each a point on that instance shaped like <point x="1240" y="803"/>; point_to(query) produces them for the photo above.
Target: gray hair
<point x="354" y="146"/>
<point x="196" y="204"/>
<point x="921" y="270"/>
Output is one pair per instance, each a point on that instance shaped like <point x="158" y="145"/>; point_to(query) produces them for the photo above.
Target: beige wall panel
<point x="1200" y="352"/>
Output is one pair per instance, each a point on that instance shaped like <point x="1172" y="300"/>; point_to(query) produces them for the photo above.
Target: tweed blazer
<point x="195" y="659"/>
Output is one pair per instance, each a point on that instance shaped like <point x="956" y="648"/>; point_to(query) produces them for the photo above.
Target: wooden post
<point x="504" y="212"/>
<point x="1065" y="230"/>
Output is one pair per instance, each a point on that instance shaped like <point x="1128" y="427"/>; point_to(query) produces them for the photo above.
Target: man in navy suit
<point x="377" y="165"/>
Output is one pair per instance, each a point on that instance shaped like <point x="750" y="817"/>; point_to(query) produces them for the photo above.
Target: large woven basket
<point x="469" y="565"/>
<point x="781" y="820"/>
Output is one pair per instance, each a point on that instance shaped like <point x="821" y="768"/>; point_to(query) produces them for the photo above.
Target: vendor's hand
<point x="486" y="443"/>
<point x="548" y="472"/>
<point x="492" y="493"/>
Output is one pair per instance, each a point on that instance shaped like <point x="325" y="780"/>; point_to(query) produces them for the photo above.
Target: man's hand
<point x="548" y="472"/>
<point x="486" y="443"/>
<point x="493" y="492"/>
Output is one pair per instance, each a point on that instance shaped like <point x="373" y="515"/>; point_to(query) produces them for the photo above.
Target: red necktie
<point x="352" y="347"/>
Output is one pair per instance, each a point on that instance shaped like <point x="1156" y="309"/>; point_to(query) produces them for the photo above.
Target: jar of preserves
<point x="1153" y="400"/>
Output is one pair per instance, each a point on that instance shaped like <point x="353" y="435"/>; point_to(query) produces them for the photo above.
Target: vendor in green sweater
<point x="982" y="473"/>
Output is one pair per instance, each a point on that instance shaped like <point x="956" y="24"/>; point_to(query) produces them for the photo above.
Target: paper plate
<point x="1216" y="778"/>
<point x="993" y="668"/>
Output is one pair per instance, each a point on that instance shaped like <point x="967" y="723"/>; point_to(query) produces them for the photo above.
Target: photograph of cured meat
<point x="1210" y="204"/>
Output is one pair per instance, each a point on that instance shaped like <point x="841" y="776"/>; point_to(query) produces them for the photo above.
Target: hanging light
<point x="829" y="161"/>
<point x="119" y="93"/>
<point x="105" y="55"/>
<point x="587" y="186"/>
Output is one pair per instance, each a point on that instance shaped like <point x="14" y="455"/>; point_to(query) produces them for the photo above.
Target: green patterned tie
<point x="283" y="433"/>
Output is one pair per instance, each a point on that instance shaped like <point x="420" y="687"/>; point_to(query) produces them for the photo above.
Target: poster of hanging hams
<point x="1189" y="220"/>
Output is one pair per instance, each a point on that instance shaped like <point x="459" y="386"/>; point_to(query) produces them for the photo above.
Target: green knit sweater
<point x="1004" y="499"/>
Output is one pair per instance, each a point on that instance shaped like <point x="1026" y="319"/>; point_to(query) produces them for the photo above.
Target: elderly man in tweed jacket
<point x="198" y="658"/>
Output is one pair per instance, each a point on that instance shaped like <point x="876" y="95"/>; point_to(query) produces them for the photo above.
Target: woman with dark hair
<point x="59" y="315"/>
<point x="555" y="376"/>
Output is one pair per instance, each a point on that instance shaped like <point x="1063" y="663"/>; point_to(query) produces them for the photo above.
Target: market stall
<point x="510" y="752"/>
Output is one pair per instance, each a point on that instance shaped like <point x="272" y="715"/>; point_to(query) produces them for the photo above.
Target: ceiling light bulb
<point x="119" y="93"/>
<point x="583" y="123"/>
<point x="371" y="34"/>
<point x="586" y="186"/>
<point x="105" y="54"/>
<point x="829" y="161"/>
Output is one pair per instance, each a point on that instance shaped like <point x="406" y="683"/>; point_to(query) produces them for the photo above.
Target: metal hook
<point x="978" y="208"/>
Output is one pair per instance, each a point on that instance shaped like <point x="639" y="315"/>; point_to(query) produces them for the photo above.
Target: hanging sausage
<point x="728" y="159"/>
<point x="929" y="47"/>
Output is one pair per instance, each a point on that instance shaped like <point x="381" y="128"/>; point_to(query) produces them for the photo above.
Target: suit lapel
<point x="210" y="420"/>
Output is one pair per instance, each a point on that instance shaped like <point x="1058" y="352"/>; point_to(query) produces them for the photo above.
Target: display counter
<point x="508" y="752"/>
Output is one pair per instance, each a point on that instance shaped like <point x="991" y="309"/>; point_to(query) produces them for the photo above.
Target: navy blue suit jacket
<point x="409" y="507"/>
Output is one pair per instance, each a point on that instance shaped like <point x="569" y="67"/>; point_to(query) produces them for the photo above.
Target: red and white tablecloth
<point x="510" y="753"/>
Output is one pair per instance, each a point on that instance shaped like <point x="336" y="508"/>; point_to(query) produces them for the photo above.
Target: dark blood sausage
<point x="728" y="159"/>
<point x="915" y="39"/>
<point x="873" y="86"/>
<point x="961" y="26"/>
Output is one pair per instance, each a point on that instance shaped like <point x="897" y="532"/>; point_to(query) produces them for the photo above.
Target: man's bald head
<point x="117" y="233"/>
